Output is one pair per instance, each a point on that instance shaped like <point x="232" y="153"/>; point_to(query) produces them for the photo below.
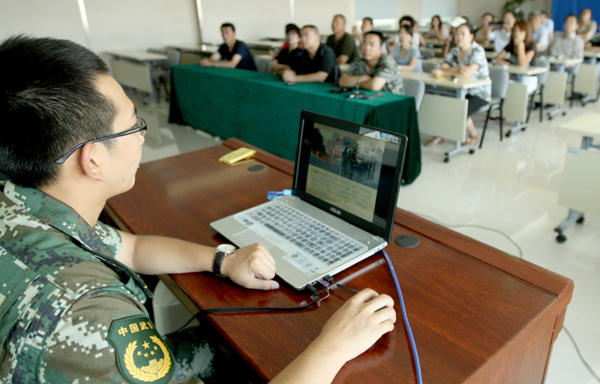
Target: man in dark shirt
<point x="342" y="42"/>
<point x="232" y="54"/>
<point x="317" y="62"/>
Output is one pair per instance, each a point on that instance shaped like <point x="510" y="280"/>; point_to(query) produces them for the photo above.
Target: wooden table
<point x="478" y="314"/>
<point x="460" y="86"/>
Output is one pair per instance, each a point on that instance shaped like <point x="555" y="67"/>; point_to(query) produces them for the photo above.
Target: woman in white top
<point x="438" y="31"/>
<point x="407" y="55"/>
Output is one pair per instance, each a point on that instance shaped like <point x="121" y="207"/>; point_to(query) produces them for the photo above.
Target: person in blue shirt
<point x="232" y="53"/>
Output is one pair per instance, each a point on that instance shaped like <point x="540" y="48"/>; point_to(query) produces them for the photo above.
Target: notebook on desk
<point x="342" y="206"/>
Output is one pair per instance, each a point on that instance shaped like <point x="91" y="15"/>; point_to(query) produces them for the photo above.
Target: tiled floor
<point x="510" y="186"/>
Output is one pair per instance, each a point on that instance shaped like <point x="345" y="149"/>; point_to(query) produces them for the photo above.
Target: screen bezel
<point x="309" y="119"/>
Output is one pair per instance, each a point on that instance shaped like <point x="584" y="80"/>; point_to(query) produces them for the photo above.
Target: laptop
<point x="342" y="205"/>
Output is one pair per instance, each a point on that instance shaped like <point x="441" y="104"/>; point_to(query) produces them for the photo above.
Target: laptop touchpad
<point x="250" y="237"/>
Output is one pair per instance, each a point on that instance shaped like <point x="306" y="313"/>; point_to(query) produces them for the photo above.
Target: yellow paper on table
<point x="238" y="155"/>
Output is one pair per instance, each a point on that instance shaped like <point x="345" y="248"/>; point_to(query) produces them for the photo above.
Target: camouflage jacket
<point x="386" y="68"/>
<point x="65" y="316"/>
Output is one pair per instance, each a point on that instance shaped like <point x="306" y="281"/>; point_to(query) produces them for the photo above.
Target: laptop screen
<point x="350" y="170"/>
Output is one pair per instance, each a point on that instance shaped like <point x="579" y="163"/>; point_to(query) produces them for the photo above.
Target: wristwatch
<point x="220" y="253"/>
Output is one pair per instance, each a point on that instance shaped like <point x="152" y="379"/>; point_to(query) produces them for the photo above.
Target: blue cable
<point x="413" y="346"/>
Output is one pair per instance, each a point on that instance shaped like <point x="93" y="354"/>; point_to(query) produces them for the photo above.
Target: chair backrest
<point x="499" y="77"/>
<point x="429" y="65"/>
<point x="414" y="88"/>
<point x="427" y="53"/>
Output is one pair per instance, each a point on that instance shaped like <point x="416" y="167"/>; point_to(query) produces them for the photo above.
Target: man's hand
<point x="251" y="267"/>
<point x="206" y="62"/>
<point x="437" y="73"/>
<point x="289" y="76"/>
<point x="358" y="324"/>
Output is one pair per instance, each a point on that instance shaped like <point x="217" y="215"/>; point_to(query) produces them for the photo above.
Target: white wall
<point x="141" y="24"/>
<point x="475" y="8"/>
<point x="57" y="18"/>
<point x="445" y="8"/>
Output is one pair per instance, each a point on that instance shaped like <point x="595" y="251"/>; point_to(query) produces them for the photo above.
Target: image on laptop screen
<point x="351" y="168"/>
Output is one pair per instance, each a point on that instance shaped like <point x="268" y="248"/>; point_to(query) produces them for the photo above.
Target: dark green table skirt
<point x="264" y="111"/>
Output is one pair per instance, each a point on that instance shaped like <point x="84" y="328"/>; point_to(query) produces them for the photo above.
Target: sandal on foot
<point x="471" y="140"/>
<point x="435" y="141"/>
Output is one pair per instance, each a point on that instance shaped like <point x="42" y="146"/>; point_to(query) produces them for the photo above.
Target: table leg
<point x="574" y="217"/>
<point x="459" y="148"/>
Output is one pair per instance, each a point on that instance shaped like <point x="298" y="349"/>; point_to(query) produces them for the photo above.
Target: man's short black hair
<point x="313" y="27"/>
<point x="230" y="25"/>
<point x="291" y="26"/>
<point x="49" y="103"/>
<point x="410" y="20"/>
<point x="369" y="19"/>
<point x="340" y="15"/>
<point x="575" y="16"/>
<point x="378" y="34"/>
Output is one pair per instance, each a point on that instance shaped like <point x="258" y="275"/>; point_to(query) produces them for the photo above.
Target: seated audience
<point x="407" y="55"/>
<point x="540" y="32"/>
<point x="502" y="35"/>
<point x="341" y="41"/>
<point x="284" y="45"/>
<point x="232" y="54"/>
<point x="438" y="31"/>
<point x="286" y="55"/>
<point x="467" y="61"/>
<point x="587" y="26"/>
<point x="422" y="39"/>
<point x="366" y="26"/>
<point x="410" y="22"/>
<point x="522" y="51"/>
<point x="549" y="23"/>
<point x="449" y="43"/>
<point x="484" y="34"/>
<point x="376" y="70"/>
<point x="316" y="63"/>
<point x="567" y="44"/>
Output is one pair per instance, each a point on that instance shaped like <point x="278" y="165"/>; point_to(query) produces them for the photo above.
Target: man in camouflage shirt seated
<point x="71" y="302"/>
<point x="376" y="70"/>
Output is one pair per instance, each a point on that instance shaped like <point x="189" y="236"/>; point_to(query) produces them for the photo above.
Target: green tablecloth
<point x="264" y="111"/>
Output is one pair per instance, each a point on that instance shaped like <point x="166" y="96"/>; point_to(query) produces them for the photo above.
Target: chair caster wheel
<point x="508" y="133"/>
<point x="471" y="151"/>
<point x="581" y="220"/>
<point x="549" y="117"/>
<point x="561" y="238"/>
<point x="564" y="113"/>
<point x="446" y="159"/>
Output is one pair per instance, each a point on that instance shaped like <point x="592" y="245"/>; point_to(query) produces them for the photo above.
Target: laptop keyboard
<point x="314" y="238"/>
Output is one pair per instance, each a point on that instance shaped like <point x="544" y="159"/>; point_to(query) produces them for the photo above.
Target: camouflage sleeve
<point x="388" y="70"/>
<point x="105" y="337"/>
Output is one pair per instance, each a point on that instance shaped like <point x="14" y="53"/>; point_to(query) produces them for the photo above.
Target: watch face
<point x="226" y="248"/>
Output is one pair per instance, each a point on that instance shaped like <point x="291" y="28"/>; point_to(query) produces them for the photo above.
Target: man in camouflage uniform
<point x="71" y="302"/>
<point x="376" y="70"/>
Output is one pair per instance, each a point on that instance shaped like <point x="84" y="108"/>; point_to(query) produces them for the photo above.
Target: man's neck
<point x="312" y="52"/>
<point x="87" y="205"/>
<point x="339" y="34"/>
<point x="231" y="45"/>
<point x="373" y="62"/>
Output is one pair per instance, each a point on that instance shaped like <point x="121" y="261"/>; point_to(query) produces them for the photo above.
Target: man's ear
<point x="89" y="161"/>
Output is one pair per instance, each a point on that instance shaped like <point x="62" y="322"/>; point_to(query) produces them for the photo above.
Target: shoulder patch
<point x="142" y="356"/>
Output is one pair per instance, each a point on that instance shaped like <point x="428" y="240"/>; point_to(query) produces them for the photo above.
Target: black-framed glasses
<point x="140" y="126"/>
